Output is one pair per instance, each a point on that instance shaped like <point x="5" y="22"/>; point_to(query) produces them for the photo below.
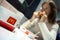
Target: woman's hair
<point x="52" y="15"/>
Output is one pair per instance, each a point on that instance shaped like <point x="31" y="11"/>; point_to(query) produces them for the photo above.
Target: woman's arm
<point x="48" y="35"/>
<point x="30" y="22"/>
<point x="54" y="30"/>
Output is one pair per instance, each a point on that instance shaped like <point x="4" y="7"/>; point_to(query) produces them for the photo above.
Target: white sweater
<point x="46" y="34"/>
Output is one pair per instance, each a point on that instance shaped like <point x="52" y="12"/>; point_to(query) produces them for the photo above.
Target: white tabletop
<point x="7" y="35"/>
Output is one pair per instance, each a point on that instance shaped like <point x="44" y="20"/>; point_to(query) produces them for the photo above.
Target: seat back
<point x="58" y="33"/>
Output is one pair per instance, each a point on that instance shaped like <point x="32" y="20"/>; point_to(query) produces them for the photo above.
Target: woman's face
<point x="46" y="8"/>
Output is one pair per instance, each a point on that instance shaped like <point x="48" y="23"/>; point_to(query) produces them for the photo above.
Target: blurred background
<point x="27" y="7"/>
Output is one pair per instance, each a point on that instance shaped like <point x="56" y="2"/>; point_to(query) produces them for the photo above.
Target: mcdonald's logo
<point x="11" y="20"/>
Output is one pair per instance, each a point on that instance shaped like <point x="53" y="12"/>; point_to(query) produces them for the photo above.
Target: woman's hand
<point x="43" y="16"/>
<point x="35" y="15"/>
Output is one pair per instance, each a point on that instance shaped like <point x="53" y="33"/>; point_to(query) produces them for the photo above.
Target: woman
<point x="46" y="21"/>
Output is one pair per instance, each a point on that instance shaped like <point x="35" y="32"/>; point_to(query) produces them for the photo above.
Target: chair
<point x="58" y="33"/>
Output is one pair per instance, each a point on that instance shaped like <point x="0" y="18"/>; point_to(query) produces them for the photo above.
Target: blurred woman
<point x="46" y="19"/>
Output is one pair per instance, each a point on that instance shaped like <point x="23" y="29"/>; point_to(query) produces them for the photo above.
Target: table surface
<point x="7" y="35"/>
